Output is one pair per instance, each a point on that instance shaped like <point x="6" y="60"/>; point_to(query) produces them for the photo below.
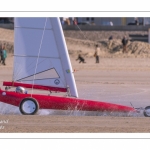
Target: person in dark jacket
<point x="110" y="40"/>
<point x="81" y="59"/>
<point x="124" y="44"/>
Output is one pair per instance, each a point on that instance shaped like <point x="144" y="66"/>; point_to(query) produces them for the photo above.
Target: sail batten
<point x="33" y="28"/>
<point x="53" y="54"/>
<point x="36" y="56"/>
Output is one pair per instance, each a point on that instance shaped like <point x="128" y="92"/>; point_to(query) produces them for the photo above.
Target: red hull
<point x="62" y="103"/>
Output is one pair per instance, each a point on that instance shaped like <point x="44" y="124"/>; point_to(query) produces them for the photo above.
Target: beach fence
<point x="139" y="37"/>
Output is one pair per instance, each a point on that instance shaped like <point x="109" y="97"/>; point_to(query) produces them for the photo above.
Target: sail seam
<point x="33" y="28"/>
<point x="40" y="73"/>
<point x="38" y="79"/>
<point x="36" y="56"/>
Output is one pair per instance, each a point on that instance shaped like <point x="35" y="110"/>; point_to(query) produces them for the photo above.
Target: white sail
<point x="42" y="39"/>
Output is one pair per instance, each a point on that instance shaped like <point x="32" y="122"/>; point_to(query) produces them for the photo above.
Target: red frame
<point x="49" y="88"/>
<point x="62" y="103"/>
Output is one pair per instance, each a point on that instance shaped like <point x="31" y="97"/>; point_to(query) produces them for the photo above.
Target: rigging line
<point x="83" y="33"/>
<point x="38" y="56"/>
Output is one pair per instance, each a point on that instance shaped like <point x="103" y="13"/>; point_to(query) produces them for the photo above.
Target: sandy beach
<point x="118" y="78"/>
<point x="108" y="81"/>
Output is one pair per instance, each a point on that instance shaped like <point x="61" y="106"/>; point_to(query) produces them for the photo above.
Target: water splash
<point x="6" y="109"/>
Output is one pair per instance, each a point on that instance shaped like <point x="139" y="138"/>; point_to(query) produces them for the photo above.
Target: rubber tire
<point x="148" y="107"/>
<point x="31" y="99"/>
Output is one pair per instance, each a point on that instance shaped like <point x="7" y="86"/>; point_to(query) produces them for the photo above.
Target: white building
<point x="115" y="20"/>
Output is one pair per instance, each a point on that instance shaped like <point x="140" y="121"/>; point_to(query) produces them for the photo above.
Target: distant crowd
<point x="69" y="21"/>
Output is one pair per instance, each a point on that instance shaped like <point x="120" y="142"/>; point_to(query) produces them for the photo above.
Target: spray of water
<point x="13" y="110"/>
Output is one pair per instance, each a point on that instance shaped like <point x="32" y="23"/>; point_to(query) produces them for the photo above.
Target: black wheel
<point x="29" y="106"/>
<point x="147" y="111"/>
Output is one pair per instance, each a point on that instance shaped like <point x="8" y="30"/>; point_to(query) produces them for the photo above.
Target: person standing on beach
<point x="97" y="53"/>
<point x="110" y="40"/>
<point x="136" y="21"/>
<point x="75" y="21"/>
<point x="124" y="44"/>
<point x="3" y="55"/>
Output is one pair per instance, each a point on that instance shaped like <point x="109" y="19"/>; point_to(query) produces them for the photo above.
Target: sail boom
<point x="49" y="88"/>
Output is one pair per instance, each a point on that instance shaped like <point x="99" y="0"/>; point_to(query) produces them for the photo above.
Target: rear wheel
<point x="29" y="106"/>
<point x="147" y="111"/>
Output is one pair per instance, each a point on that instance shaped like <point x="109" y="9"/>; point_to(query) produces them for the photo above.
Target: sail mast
<point x="64" y="56"/>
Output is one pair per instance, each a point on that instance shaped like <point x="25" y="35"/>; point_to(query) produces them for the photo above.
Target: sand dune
<point x="78" y="43"/>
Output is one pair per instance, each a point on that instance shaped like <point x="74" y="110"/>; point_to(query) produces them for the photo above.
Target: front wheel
<point x="29" y="106"/>
<point x="147" y="111"/>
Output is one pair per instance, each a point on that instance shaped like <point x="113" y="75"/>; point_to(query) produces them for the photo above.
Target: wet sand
<point x="74" y="124"/>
